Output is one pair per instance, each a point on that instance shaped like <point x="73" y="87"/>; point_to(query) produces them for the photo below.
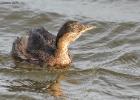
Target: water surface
<point x="106" y="61"/>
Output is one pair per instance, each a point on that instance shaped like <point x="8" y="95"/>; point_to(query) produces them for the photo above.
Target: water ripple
<point x="106" y="61"/>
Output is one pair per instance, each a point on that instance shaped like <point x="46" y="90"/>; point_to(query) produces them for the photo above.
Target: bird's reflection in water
<point x="55" y="87"/>
<point x="52" y="87"/>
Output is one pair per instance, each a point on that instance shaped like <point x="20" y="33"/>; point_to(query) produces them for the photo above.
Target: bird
<point x="41" y="47"/>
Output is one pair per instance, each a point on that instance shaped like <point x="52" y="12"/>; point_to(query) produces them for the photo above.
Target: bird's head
<point x="71" y="31"/>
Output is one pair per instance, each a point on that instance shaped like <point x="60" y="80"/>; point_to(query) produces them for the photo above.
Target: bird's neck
<point x="61" y="53"/>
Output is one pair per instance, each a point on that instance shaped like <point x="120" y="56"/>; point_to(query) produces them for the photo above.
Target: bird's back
<point x="38" y="43"/>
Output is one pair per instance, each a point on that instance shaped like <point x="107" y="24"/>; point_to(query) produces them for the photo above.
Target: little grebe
<point x="41" y="47"/>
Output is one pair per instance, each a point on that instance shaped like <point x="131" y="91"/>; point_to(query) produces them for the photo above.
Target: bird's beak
<point x="89" y="27"/>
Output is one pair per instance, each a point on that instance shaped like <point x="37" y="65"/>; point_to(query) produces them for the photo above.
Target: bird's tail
<point x="19" y="49"/>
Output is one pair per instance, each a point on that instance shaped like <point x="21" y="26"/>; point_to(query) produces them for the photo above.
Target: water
<point x="106" y="61"/>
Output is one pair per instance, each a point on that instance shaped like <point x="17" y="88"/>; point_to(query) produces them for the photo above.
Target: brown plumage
<point x="41" y="47"/>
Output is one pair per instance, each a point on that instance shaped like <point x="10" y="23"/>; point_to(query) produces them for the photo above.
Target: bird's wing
<point x="40" y="39"/>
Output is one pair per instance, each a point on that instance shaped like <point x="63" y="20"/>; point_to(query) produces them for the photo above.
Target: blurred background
<point x="106" y="61"/>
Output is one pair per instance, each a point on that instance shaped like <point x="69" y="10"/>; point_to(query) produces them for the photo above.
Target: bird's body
<point x="40" y="46"/>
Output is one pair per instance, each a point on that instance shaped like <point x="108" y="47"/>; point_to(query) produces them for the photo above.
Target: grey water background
<point x="106" y="61"/>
